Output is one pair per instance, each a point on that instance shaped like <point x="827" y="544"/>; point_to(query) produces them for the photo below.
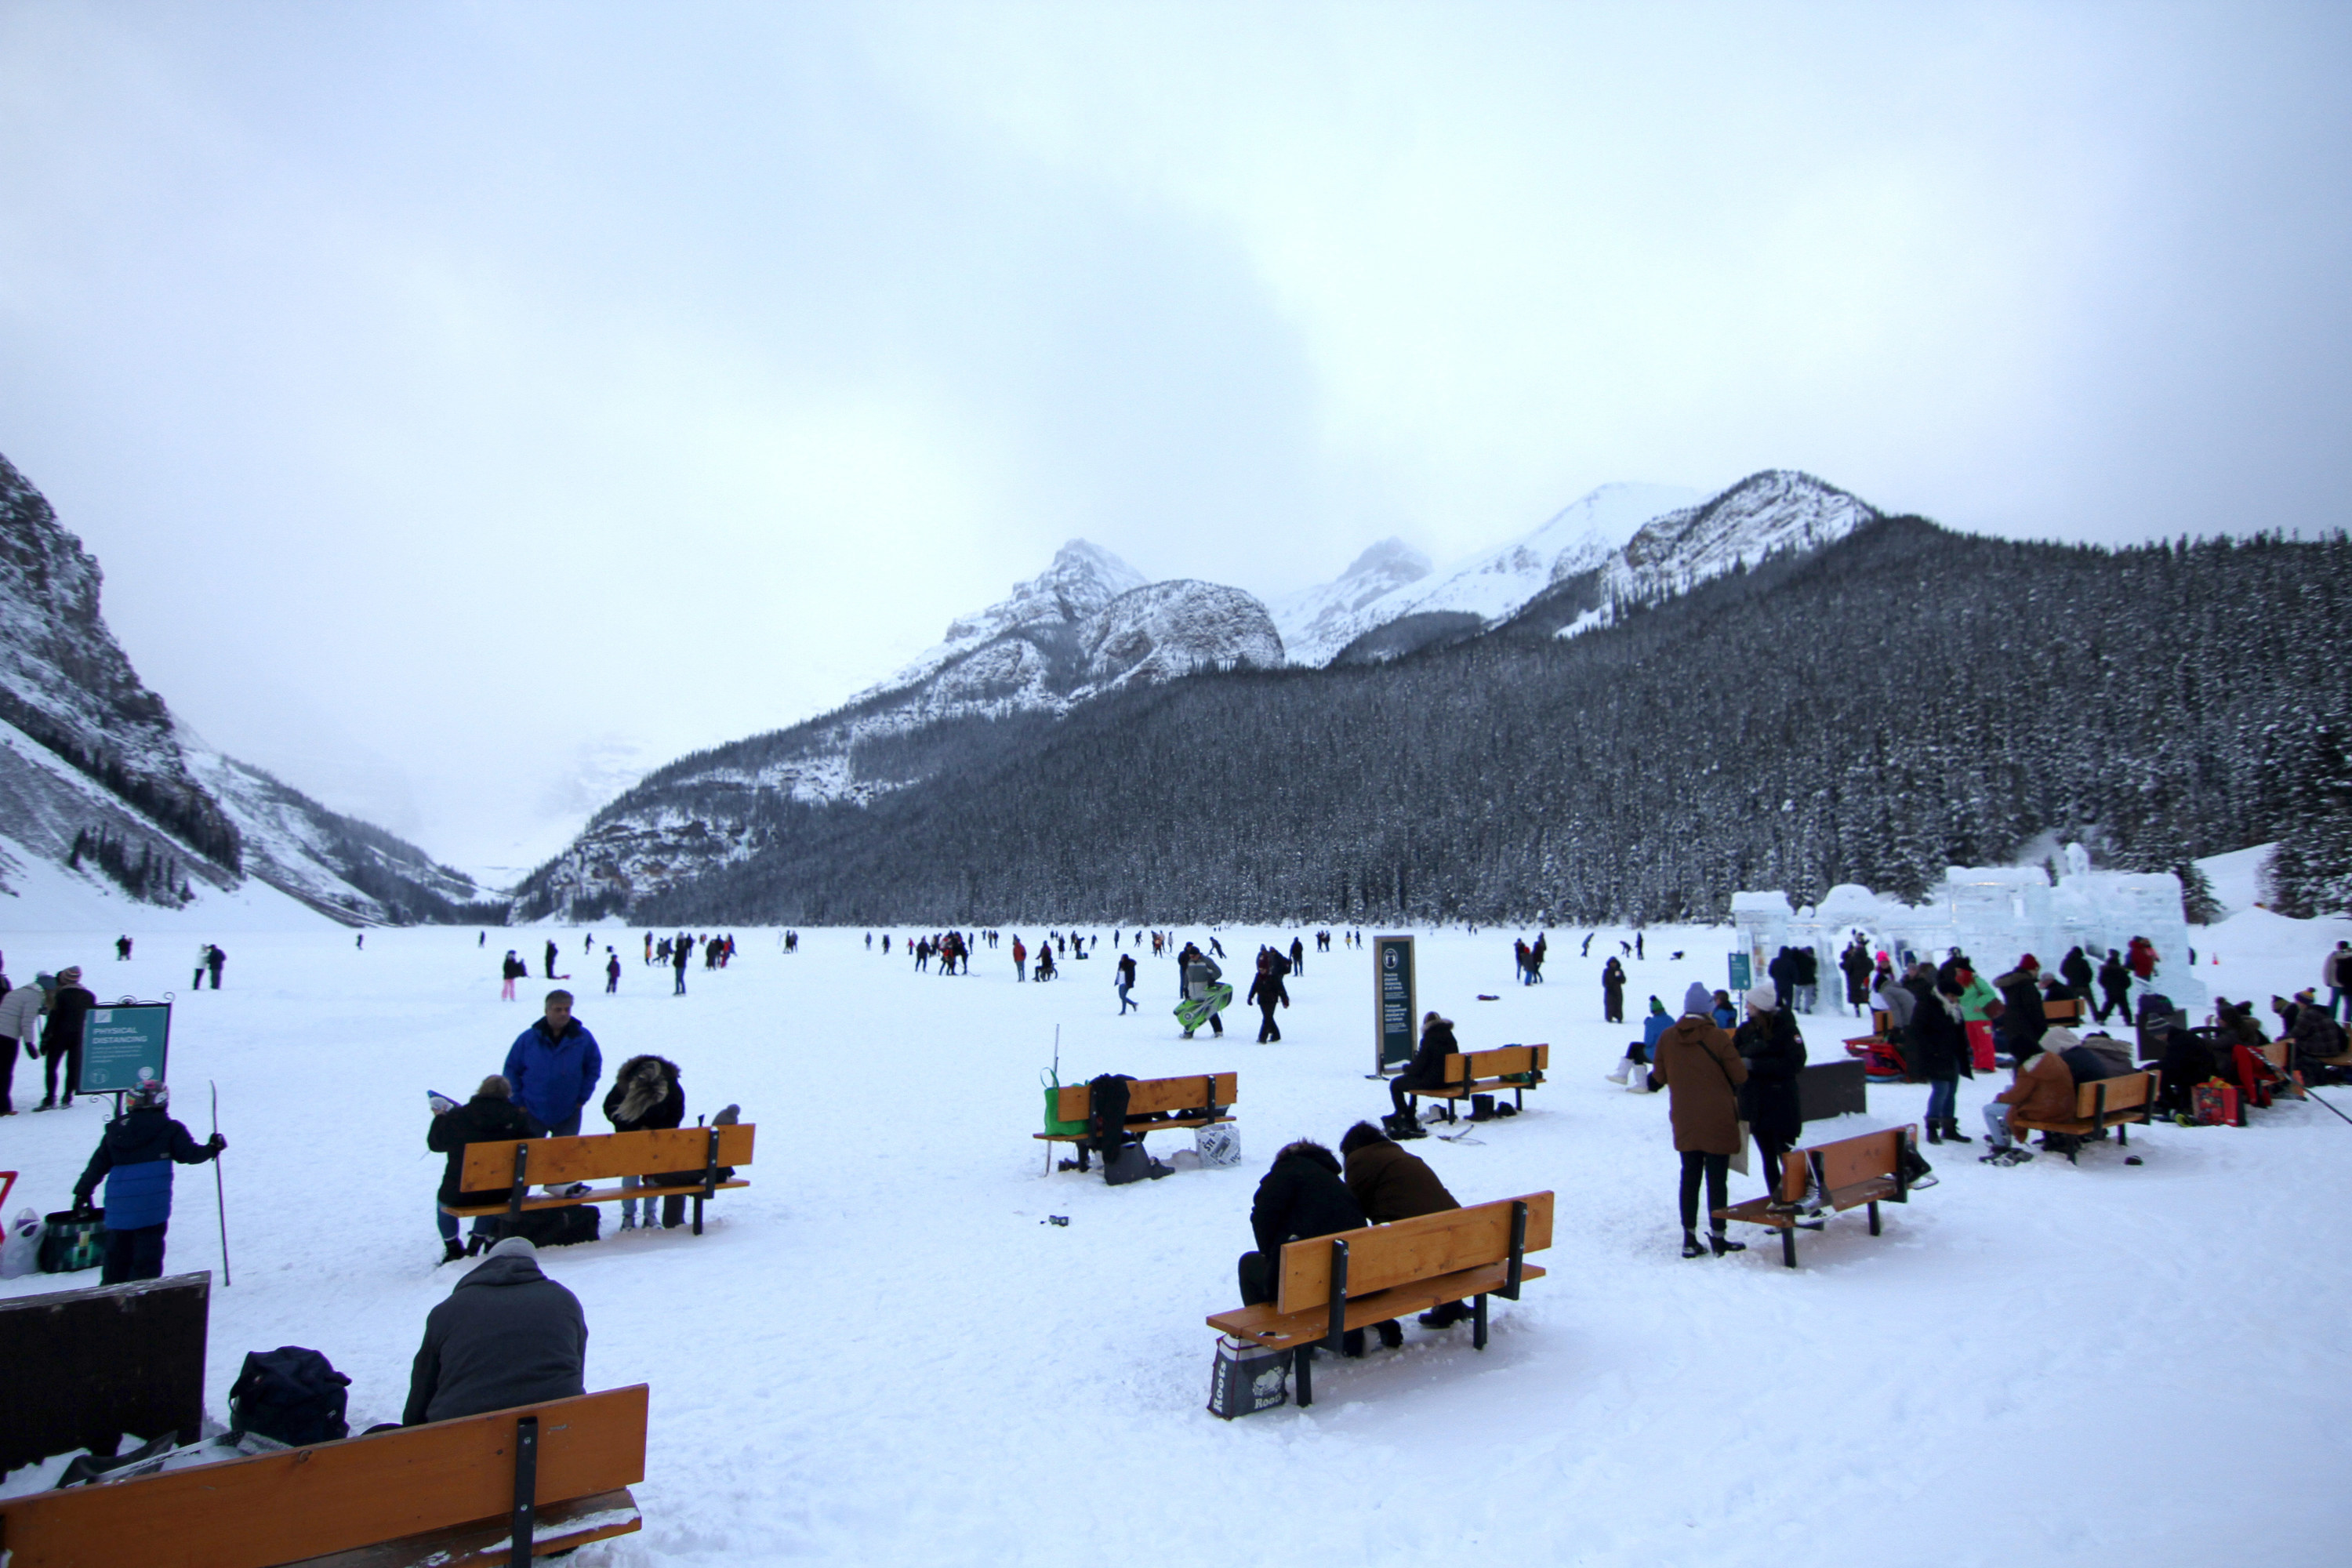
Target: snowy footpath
<point x="882" y="1352"/>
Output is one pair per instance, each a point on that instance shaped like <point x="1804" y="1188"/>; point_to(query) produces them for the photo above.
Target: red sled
<point x="1880" y="1060"/>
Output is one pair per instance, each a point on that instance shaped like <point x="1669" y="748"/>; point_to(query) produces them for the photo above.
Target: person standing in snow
<point x="1774" y="1052"/>
<point x="1126" y="982"/>
<point x="20" y="1016"/>
<point x="134" y="1159"/>
<point x="553" y="1067"/>
<point x="2074" y="969"/>
<point x="1612" y="993"/>
<point x="214" y="956"/>
<point x="506" y="1335"/>
<point x="612" y="972"/>
<point x="1855" y="962"/>
<point x="490" y="1117"/>
<point x="1937" y="1049"/>
<point x="2336" y="974"/>
<point x="1702" y="1073"/>
<point x="2115" y="987"/>
<point x="2140" y="959"/>
<point x="61" y="1037"/>
<point x="510" y="969"/>
<point x="551" y="958"/>
<point x="645" y="1097"/>
<point x="1298" y="956"/>
<point x="121" y="950"/>
<point x="2023" y="1021"/>
<point x="1267" y="990"/>
<point x="680" y="952"/>
<point x="1020" y="958"/>
<point x="1200" y="975"/>
<point x="204" y="956"/>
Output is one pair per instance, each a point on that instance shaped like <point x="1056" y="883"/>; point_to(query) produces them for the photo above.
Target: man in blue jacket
<point x="552" y="1066"/>
<point x="134" y="1158"/>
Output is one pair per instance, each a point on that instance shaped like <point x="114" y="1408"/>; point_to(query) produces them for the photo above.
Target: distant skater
<point x="1126" y="982"/>
<point x="214" y="956"/>
<point x="551" y="958"/>
<point x="612" y="972"/>
<point x="678" y="953"/>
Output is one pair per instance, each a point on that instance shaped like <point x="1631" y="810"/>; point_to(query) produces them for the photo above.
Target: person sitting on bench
<point x="1426" y="1070"/>
<point x="1300" y="1195"/>
<point x="1391" y="1184"/>
<point x="2188" y="1061"/>
<point x="506" y="1335"/>
<point x="2045" y="1091"/>
<point x="490" y="1117"/>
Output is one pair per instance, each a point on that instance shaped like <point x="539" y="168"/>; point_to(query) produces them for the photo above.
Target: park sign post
<point x="1741" y="976"/>
<point x="1392" y="1003"/>
<point x="123" y="1046"/>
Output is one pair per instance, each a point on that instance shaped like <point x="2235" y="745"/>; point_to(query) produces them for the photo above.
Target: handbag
<point x="1247" y="1378"/>
<point x="1054" y="1125"/>
<point x="1217" y="1144"/>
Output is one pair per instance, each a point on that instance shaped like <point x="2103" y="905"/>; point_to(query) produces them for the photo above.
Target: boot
<point x="478" y="1244"/>
<point x="1392" y="1334"/>
<point x="1952" y="1134"/>
<point x="1691" y="1245"/>
<point x="1624" y="1067"/>
<point x="1935" y="1130"/>
<point x="1723" y="1243"/>
<point x="452" y="1250"/>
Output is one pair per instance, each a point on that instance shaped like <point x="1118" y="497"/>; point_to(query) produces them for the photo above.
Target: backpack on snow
<point x="290" y="1396"/>
<point x="557" y="1227"/>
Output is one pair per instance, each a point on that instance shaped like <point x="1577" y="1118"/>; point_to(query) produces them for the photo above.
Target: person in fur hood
<point x="645" y="1097"/>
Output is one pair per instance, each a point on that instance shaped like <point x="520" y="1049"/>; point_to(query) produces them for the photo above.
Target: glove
<point x="441" y="1103"/>
<point x="216" y="1144"/>
<point x="81" y="1208"/>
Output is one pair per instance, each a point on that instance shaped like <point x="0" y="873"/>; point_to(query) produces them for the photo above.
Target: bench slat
<point x="560" y="1528"/>
<point x="604" y="1156"/>
<point x="275" y="1509"/>
<point x="2126" y="1099"/>
<point x="1270" y="1326"/>
<point x="1382" y="1255"/>
<point x="595" y="1195"/>
<point x="1147" y="1095"/>
<point x="1170" y="1125"/>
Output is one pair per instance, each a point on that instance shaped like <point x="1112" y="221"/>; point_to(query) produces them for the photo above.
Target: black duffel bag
<point x="290" y="1396"/>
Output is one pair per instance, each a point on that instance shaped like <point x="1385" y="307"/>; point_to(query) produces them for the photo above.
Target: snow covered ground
<point x="881" y="1352"/>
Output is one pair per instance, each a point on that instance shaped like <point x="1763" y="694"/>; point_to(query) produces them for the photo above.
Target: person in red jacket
<point x="2142" y="959"/>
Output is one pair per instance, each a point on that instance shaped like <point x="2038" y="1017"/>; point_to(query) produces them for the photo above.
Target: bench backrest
<point x="600" y="1156"/>
<point x="332" y="1497"/>
<point x="2063" y="1009"/>
<point x="1495" y="1063"/>
<point x="1844" y="1162"/>
<point x="1423" y="1247"/>
<point x="2130" y="1091"/>
<point x="1148" y="1096"/>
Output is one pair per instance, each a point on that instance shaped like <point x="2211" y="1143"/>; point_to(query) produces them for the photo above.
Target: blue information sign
<point x="124" y="1046"/>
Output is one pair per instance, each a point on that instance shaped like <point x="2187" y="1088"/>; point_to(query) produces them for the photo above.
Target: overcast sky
<point x="468" y="401"/>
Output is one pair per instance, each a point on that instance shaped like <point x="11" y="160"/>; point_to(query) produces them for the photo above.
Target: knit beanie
<point x="1698" y="1001"/>
<point x="1763" y="996"/>
<point x="514" y="1246"/>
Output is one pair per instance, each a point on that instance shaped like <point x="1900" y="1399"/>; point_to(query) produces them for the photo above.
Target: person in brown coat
<point x="1390" y="1184"/>
<point x="1697" y="1065"/>
<point x="2045" y="1091"/>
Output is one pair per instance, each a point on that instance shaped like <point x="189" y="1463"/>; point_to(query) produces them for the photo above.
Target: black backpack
<point x="565" y="1227"/>
<point x="1106" y="1112"/>
<point x="291" y="1395"/>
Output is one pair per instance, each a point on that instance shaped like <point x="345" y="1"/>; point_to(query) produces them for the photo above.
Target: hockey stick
<point x="220" y="1194"/>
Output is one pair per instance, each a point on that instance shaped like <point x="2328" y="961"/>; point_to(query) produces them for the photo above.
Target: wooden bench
<point x="478" y="1490"/>
<point x="1515" y="1067"/>
<point x="2102" y="1103"/>
<point x="1153" y="1105"/>
<point x="677" y="1152"/>
<point x="1330" y="1284"/>
<point x="2066" y="1010"/>
<point x="1866" y="1170"/>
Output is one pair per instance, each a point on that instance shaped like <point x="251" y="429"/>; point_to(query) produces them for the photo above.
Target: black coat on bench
<point x="1302" y="1195"/>
<point x="485" y="1119"/>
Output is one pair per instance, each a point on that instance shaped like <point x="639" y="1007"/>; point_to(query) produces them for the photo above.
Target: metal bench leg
<point x="1478" y="1322"/>
<point x="697" y="1216"/>
<point x="1302" y="1361"/>
<point x="1788" y="1247"/>
<point x="524" y="1519"/>
<point x="1873" y="1216"/>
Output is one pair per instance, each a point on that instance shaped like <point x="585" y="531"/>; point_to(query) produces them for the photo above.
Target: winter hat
<point x="514" y="1246"/>
<point x="2029" y="962"/>
<point x="1763" y="996"/>
<point x="1698" y="1001"/>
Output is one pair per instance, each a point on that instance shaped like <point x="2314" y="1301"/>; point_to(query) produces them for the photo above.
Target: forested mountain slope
<point x="1905" y="699"/>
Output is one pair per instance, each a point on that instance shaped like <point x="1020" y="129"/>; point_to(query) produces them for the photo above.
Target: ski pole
<point x="220" y="1194"/>
<point x="2309" y="1095"/>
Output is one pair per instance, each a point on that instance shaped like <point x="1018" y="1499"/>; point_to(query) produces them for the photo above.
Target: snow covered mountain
<point x="96" y="778"/>
<point x="1764" y="514"/>
<point x="1316" y="622"/>
<point x="1088" y="624"/>
<point x="1492" y="585"/>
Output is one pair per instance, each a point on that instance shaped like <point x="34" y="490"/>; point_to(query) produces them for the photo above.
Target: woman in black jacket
<point x="1302" y="1194"/>
<point x="1426" y="1070"/>
<point x="1612" y="993"/>
<point x="645" y="1097"/>
<point x="1775" y="1054"/>
<point x="490" y="1117"/>
<point x="1938" y="1050"/>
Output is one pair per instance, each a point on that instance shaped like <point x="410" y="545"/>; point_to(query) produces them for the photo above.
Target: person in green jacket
<point x="1976" y="998"/>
